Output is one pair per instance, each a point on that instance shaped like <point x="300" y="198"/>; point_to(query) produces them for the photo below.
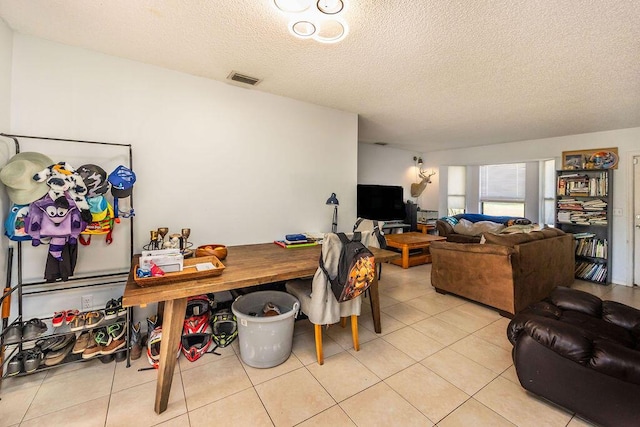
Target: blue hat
<point x="122" y="180"/>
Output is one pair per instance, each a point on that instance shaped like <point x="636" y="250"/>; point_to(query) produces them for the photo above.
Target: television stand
<point x="394" y="225"/>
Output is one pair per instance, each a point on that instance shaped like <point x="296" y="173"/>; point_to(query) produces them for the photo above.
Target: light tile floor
<point x="440" y="360"/>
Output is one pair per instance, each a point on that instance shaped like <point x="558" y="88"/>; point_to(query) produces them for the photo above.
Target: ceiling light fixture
<point x="330" y="7"/>
<point x="303" y="28"/>
<point x="321" y="23"/>
<point x="293" y="6"/>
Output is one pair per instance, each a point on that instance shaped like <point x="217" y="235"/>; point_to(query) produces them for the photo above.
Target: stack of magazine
<point x="296" y="241"/>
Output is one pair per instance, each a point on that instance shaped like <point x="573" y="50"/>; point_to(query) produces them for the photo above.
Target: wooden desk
<point x="411" y="241"/>
<point x="246" y="265"/>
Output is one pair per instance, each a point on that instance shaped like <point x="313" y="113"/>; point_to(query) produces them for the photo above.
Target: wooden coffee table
<point x="407" y="242"/>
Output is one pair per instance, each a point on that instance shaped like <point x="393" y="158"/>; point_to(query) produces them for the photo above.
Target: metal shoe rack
<point x="22" y="288"/>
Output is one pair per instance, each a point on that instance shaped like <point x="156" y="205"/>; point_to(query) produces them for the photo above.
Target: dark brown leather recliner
<point x="581" y="353"/>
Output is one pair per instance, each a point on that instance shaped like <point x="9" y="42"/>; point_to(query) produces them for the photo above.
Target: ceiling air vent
<point x="241" y="78"/>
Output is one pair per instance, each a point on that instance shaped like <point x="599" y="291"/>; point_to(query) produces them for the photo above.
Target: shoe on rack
<point x="71" y="314"/>
<point x="16" y="364"/>
<point x="55" y="357"/>
<point x="111" y="309"/>
<point x="13" y="334"/>
<point x="120" y="356"/>
<point x="93" y="319"/>
<point x="113" y="346"/>
<point x="108" y="358"/>
<point x="77" y="322"/>
<point x="122" y="311"/>
<point x="32" y="360"/>
<point x="49" y="342"/>
<point x="62" y="342"/>
<point x="93" y="348"/>
<point x="102" y="337"/>
<point x="58" y="318"/>
<point x="135" y="339"/>
<point x="33" y="329"/>
<point x="81" y="343"/>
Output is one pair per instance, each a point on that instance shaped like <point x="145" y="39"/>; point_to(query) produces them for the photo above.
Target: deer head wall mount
<point x="418" y="187"/>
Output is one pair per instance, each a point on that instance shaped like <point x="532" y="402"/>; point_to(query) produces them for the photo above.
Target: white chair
<point x="316" y="298"/>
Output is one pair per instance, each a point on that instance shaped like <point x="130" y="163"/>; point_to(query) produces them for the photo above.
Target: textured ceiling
<point x="422" y="74"/>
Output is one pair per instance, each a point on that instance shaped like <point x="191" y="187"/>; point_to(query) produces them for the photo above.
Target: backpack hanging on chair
<point x="356" y="268"/>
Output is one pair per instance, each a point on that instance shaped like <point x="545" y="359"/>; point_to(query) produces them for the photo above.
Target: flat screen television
<point x="380" y="202"/>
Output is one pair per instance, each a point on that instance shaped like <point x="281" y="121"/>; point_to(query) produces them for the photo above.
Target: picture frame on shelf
<point x="596" y="158"/>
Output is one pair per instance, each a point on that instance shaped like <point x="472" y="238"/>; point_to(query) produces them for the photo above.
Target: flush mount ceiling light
<point x="330" y="32"/>
<point x="303" y="28"/>
<point x="330" y="7"/>
<point x="293" y="6"/>
<point x="316" y="19"/>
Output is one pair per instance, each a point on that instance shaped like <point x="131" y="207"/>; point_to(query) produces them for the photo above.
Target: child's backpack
<point x="102" y="221"/>
<point x="356" y="268"/>
<point x="14" y="226"/>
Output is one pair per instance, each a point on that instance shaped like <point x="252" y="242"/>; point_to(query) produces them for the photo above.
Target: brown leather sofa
<point x="508" y="272"/>
<point x="581" y="353"/>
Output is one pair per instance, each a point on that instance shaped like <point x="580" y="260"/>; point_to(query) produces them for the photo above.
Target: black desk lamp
<point x="333" y="200"/>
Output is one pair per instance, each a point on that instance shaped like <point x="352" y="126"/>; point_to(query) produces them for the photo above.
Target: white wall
<point x="6" y="41"/>
<point x="235" y="165"/>
<point x="380" y="165"/>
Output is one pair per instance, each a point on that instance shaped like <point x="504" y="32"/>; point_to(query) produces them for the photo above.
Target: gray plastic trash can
<point x="265" y="342"/>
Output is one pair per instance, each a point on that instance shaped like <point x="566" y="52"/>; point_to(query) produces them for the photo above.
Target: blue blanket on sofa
<point x="474" y="217"/>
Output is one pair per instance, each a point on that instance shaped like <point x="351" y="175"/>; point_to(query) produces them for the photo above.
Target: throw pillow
<point x="450" y="219"/>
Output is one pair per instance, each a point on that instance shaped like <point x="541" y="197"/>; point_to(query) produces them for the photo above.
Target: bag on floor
<point x="356" y="268"/>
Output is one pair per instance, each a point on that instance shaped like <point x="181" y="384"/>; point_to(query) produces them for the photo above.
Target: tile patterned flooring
<point x="440" y="360"/>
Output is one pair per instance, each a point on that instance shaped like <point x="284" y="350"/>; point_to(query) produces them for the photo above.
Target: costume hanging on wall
<point x="63" y="180"/>
<point x="56" y="269"/>
<point x="58" y="219"/>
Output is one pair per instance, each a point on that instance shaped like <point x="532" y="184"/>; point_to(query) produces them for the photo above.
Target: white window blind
<point x="503" y="183"/>
<point x="456" y="190"/>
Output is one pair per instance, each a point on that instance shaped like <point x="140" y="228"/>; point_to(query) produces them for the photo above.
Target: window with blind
<point x="456" y="190"/>
<point x="502" y="189"/>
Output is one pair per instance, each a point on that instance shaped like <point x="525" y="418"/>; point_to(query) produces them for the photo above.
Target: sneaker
<point x="93" y="348"/>
<point x="122" y="311"/>
<point x="16" y="364"/>
<point x="71" y="314"/>
<point x="93" y="319"/>
<point x="77" y="323"/>
<point x="58" y="318"/>
<point x="113" y="346"/>
<point x="33" y="329"/>
<point x="32" y="360"/>
<point x="111" y="309"/>
<point x="81" y="343"/>
<point x="101" y="337"/>
<point x="13" y="334"/>
<point x="116" y="330"/>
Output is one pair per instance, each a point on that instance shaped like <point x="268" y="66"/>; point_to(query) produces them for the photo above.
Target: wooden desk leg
<point x="375" y="305"/>
<point x="405" y="257"/>
<point x="174" y="311"/>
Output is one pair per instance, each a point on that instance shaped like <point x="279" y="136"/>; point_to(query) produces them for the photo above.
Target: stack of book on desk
<point x="296" y="241"/>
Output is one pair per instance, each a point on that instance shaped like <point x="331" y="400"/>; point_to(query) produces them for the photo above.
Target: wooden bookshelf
<point x="584" y="208"/>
